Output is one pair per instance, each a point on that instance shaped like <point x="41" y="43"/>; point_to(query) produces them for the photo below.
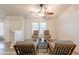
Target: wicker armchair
<point x="62" y="49"/>
<point x="35" y="34"/>
<point x="25" y="49"/>
<point x="46" y="34"/>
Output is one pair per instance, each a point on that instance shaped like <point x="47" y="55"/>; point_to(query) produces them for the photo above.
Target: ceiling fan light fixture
<point x="43" y="11"/>
<point x="41" y="14"/>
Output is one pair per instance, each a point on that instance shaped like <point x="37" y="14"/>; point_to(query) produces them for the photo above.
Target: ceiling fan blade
<point x="50" y="13"/>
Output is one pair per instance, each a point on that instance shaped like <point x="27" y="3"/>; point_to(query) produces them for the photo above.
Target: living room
<point x="18" y="23"/>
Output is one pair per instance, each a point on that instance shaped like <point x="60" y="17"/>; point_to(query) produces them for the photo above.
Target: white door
<point x="18" y="36"/>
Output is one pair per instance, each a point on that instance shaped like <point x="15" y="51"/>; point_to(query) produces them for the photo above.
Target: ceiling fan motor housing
<point x="41" y="5"/>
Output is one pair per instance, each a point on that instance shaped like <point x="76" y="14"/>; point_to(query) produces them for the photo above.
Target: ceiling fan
<point x="43" y="11"/>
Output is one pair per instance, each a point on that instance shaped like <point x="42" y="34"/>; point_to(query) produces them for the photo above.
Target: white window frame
<point x="39" y="25"/>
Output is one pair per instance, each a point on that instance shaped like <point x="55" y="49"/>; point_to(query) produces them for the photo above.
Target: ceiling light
<point x="41" y="14"/>
<point x="43" y="11"/>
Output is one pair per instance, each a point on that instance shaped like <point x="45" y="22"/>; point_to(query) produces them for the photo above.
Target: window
<point x="35" y="26"/>
<point x="39" y="26"/>
<point x="42" y="26"/>
<point x="1" y="29"/>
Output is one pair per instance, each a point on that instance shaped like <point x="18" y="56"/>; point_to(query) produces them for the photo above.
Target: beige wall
<point x="51" y="27"/>
<point x="67" y="25"/>
<point x="13" y="24"/>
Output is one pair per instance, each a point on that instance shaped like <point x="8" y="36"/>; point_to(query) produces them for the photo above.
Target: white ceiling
<point x="25" y="10"/>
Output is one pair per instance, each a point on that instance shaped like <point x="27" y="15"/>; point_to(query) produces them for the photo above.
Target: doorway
<point x="1" y="32"/>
